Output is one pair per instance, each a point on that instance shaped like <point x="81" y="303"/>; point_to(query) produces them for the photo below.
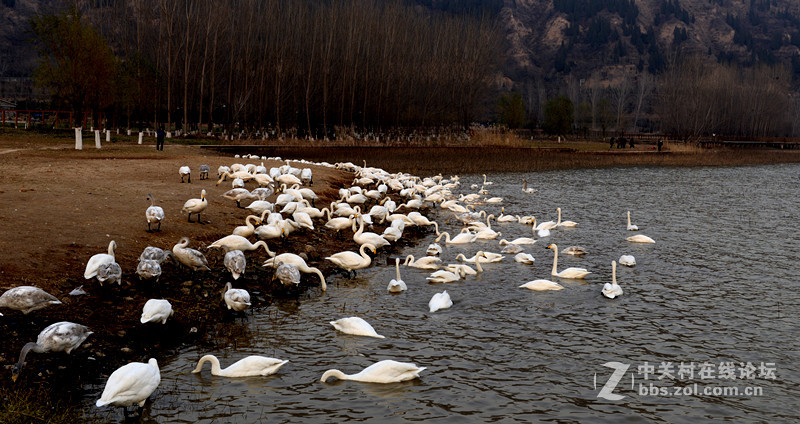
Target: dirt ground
<point x="59" y="206"/>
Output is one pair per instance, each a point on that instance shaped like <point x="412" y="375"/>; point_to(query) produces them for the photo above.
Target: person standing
<point x="160" y="138"/>
<point x="660" y="143"/>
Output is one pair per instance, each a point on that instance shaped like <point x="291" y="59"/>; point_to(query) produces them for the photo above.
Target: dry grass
<point x="36" y="406"/>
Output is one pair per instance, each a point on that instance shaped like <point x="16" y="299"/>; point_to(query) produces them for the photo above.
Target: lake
<point x="708" y="310"/>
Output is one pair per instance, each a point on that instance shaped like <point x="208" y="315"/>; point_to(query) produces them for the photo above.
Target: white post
<point x="108" y="136"/>
<point x="129" y="131"/>
<point x="118" y="131"/>
<point x="97" y="138"/>
<point x="141" y="134"/>
<point x="78" y="139"/>
<point x="169" y="134"/>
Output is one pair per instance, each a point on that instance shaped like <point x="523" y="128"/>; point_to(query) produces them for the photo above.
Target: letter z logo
<point x="616" y="377"/>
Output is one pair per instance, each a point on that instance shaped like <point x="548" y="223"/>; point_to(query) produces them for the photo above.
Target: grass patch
<point x="32" y="405"/>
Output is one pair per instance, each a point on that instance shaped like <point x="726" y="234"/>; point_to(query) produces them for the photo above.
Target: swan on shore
<point x="155" y="310"/>
<point x="251" y="366"/>
<point x="236" y="299"/>
<point x="192" y="258"/>
<point x="235" y="242"/>
<point x="27" y="299"/>
<point x="235" y="262"/>
<point x="62" y="336"/>
<point x="154" y="214"/>
<point x="185" y="171"/>
<point x="386" y="371"/>
<point x="131" y="384"/>
<point x="99" y="259"/>
<point x="195" y="206"/>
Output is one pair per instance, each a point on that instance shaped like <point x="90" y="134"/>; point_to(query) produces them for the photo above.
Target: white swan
<point x="251" y="366"/>
<point x="505" y="218"/>
<point x="525" y="188"/>
<point x="235" y="262"/>
<point x="235" y="242"/>
<point x="131" y="384"/>
<point x="236" y="299"/>
<point x="352" y="261"/>
<point x="511" y="249"/>
<point x="640" y="238"/>
<point x="486" y="182"/>
<point x="338" y="224"/>
<point x="434" y="249"/>
<point x="443" y="276"/>
<point x="397" y="285"/>
<point x="249" y="228"/>
<point x="627" y="260"/>
<point x="524" y="258"/>
<point x="387" y="371"/>
<point x="27" y="299"/>
<point x="362" y="237"/>
<point x="195" y="206"/>
<point x="490" y="257"/>
<point x="184" y="171"/>
<point x="547" y="225"/>
<point x="300" y="263"/>
<point x="518" y="241"/>
<point x="355" y="326"/>
<point x="155" y="310"/>
<point x="565" y="224"/>
<point x="462" y="238"/>
<point x="422" y="221"/>
<point x="99" y="259"/>
<point x="464" y="270"/>
<point x="571" y="272"/>
<point x="427" y="262"/>
<point x="612" y="289"/>
<point x="189" y="257"/>
<point x="62" y="336"/>
<point x="631" y="227"/>
<point x="542" y="285"/>
<point x="440" y="301"/>
<point x="154" y="214"/>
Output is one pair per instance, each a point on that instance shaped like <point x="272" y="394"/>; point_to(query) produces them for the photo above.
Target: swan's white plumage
<point x="612" y="289"/>
<point x="355" y="326"/>
<point x="236" y="299"/>
<point x="631" y="227"/>
<point x="440" y="301"/>
<point x="542" y="285"/>
<point x="387" y="371"/>
<point x="131" y="384"/>
<point x="155" y="310"/>
<point x="99" y="259"/>
<point x="524" y="258"/>
<point x="397" y="285"/>
<point x="627" y="260"/>
<point x="640" y="238"/>
<point x="571" y="272"/>
<point x="250" y="366"/>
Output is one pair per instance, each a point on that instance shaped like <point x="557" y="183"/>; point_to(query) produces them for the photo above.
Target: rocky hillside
<point x="547" y="38"/>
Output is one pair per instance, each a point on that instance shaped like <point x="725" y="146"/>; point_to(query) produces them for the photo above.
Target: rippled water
<point x="719" y="285"/>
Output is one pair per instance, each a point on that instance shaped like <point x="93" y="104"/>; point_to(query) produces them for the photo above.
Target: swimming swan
<point x="62" y="336"/>
<point x="518" y="241"/>
<point x="462" y="238"/>
<point x="542" y="285"/>
<point x="524" y="258"/>
<point x="627" y="260"/>
<point x="236" y="299"/>
<point x="612" y="289"/>
<point x="27" y="299"/>
<point x="300" y="263"/>
<point x="251" y="366"/>
<point x="387" y="371"/>
<point x="525" y="188"/>
<point x="565" y="224"/>
<point x="99" y="259"/>
<point x="427" y="262"/>
<point x="355" y="326"/>
<point x="397" y="285"/>
<point x="640" y="238"/>
<point x="440" y="301"/>
<point x="443" y="276"/>
<point x="571" y="272"/>
<point x="131" y="384"/>
<point x="574" y="251"/>
<point x="631" y="227"/>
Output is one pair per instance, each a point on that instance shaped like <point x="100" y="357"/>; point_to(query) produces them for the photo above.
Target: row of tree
<point x="305" y="64"/>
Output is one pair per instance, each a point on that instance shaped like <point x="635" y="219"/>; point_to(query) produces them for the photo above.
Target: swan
<point x="303" y="219"/>
<point x="544" y="232"/>
<point x="155" y="310"/>
<point x="131" y="384"/>
<point x="565" y="224"/>
<point x="263" y="192"/>
<point x="300" y="263"/>
<point x="524" y="258"/>
<point x="196" y="206"/>
<point x="154" y="214"/>
<point x="422" y="221"/>
<point x="109" y="272"/>
<point x="352" y="261"/>
<point x="27" y="299"/>
<point x="148" y="269"/>
<point x="235" y="242"/>
<point x="251" y="366"/>
<point x="204" y="170"/>
<point x="511" y="249"/>
<point x="355" y="326"/>
<point x="574" y="251"/>
<point x="235" y="262"/>
<point x="547" y="225"/>
<point x="236" y="299"/>
<point x="99" y="259"/>
<point x="62" y="336"/>
<point x="461" y="238"/>
<point x="505" y="218"/>
<point x="288" y="274"/>
<point x="466" y="269"/>
<point x="249" y="228"/>
<point x="362" y="238"/>
<point x="288" y="179"/>
<point x="518" y="241"/>
<point x="542" y="285"/>
<point x="386" y="371"/>
<point x="631" y="227"/>
<point x="443" y="276"/>
<point x="237" y="183"/>
<point x="440" y="301"/>
<point x="627" y="260"/>
<point x="397" y="285"/>
<point x="184" y="171"/>
<point x="434" y="249"/>
<point x="525" y="188"/>
<point x="239" y="194"/>
<point x="427" y="262"/>
<point x="486" y="182"/>
<point x="339" y="224"/>
<point x="392" y="233"/>
<point x="572" y="272"/>
<point x="494" y="200"/>
<point x="640" y="238"/>
<point x="269" y="232"/>
<point x="190" y="257"/>
<point x="490" y="257"/>
<point x="155" y="253"/>
<point x="612" y="289"/>
<point x="260" y="206"/>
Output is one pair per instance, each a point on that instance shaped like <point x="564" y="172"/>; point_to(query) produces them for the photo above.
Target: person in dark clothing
<point x="611" y="143"/>
<point x="630" y="142"/>
<point x="160" y="138"/>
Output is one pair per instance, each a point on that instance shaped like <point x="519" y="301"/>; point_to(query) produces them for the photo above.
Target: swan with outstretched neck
<point x="612" y="289"/>
<point x="387" y="371"/>
<point x="234" y="242"/>
<point x="62" y="336"/>
<point x="250" y="366"/>
<point x="571" y="272"/>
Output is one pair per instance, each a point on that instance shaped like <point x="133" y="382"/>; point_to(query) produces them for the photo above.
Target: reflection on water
<point x="718" y="286"/>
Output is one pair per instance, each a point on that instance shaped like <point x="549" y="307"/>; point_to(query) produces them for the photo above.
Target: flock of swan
<point x="366" y="203"/>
